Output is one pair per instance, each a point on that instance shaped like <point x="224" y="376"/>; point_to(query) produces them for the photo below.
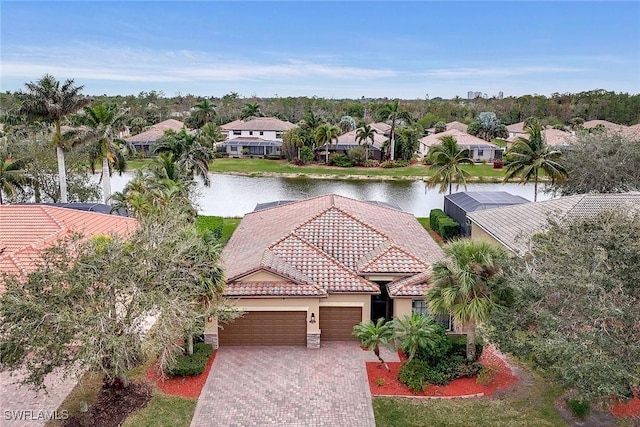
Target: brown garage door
<point x="336" y="323"/>
<point x="266" y="328"/>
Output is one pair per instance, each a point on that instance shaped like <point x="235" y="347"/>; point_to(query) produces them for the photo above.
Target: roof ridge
<point x="395" y="246"/>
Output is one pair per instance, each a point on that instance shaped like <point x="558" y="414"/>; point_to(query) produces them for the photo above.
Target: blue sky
<point x="327" y="49"/>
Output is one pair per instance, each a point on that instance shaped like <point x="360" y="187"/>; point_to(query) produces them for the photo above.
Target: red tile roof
<point x="289" y="289"/>
<point x="25" y="230"/>
<point x="413" y="286"/>
<point x="327" y="241"/>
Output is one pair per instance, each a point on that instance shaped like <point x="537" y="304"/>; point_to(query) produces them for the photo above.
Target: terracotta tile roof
<point x="27" y="229"/>
<point x="156" y="131"/>
<point x="273" y="289"/>
<point x="258" y="124"/>
<point x="514" y="225"/>
<point x="323" y="241"/>
<point x="394" y="260"/>
<point x="381" y="127"/>
<point x="516" y="128"/>
<point x="463" y="138"/>
<point x="414" y="286"/>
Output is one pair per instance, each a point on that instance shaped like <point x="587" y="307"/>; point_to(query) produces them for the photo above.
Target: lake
<point x="232" y="195"/>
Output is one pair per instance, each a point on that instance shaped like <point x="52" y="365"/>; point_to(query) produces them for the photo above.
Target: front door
<point x="381" y="305"/>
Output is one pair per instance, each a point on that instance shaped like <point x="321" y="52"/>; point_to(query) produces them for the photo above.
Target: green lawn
<point x="164" y="411"/>
<point x="262" y="166"/>
<point x="229" y="225"/>
<point x="530" y="405"/>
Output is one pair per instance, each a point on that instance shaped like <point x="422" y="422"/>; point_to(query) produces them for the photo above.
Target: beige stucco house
<point x="479" y="149"/>
<point x="306" y="272"/>
<point x="512" y="226"/>
<point x="260" y="136"/>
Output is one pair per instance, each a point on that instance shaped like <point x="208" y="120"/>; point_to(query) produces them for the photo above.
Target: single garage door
<point x="266" y="328"/>
<point x="336" y="323"/>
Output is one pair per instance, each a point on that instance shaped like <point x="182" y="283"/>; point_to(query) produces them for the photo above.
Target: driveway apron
<point x="287" y="386"/>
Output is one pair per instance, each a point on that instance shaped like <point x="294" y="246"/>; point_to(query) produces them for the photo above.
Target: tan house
<point x="479" y="149"/>
<point x="454" y="125"/>
<point x="308" y="271"/>
<point x="144" y="140"/>
<point x="512" y="226"/>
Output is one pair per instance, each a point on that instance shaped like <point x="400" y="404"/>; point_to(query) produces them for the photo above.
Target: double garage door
<point x="289" y="327"/>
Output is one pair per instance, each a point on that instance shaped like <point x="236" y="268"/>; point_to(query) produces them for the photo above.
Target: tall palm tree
<point x="392" y="113"/>
<point x="447" y="159"/>
<point x="326" y="134"/>
<point x="204" y="112"/>
<point x="251" y="109"/>
<point x="12" y="175"/>
<point x="415" y="331"/>
<point x="309" y="123"/>
<point x="527" y="156"/>
<point x="462" y="285"/>
<point x="46" y="99"/>
<point x="104" y="121"/>
<point x="373" y="335"/>
<point x="187" y="151"/>
<point x="364" y="133"/>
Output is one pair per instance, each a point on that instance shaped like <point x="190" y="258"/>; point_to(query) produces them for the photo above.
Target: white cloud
<point x="506" y="71"/>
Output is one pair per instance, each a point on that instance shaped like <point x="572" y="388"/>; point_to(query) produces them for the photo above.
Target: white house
<point x="261" y="136"/>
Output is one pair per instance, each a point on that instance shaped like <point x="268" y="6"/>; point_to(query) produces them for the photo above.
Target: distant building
<point x="500" y="95"/>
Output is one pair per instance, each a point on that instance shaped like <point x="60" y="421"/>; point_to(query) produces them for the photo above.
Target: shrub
<point x="579" y="408"/>
<point x="486" y="375"/>
<point x="298" y="162"/>
<point x="379" y="382"/>
<point x="498" y="164"/>
<point x="357" y="155"/>
<point x="371" y="163"/>
<point x="434" y="215"/>
<point x="273" y="157"/>
<point x="401" y="163"/>
<point x="306" y="154"/>
<point x="194" y="364"/>
<point x="412" y="374"/>
<point x="448" y="228"/>
<point x="387" y="164"/>
<point x="340" y="160"/>
<point x="245" y="151"/>
<point x="439" y="349"/>
<point x="211" y="224"/>
<point x="459" y="345"/>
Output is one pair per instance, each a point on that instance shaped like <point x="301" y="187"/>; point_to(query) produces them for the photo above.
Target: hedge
<point x="192" y="364"/>
<point x="448" y="228"/>
<point x="433" y="218"/>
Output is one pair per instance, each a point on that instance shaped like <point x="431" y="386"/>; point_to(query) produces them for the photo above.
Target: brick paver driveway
<point x="287" y="386"/>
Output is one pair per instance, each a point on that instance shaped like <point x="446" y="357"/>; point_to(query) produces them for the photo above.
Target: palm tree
<point x="414" y="332"/>
<point x="46" y="99"/>
<point x="251" y="110"/>
<point x="104" y="121"/>
<point x="309" y="123"/>
<point x="363" y="133"/>
<point x="373" y="335"/>
<point x="391" y="112"/>
<point x="12" y="176"/>
<point x="187" y="151"/>
<point x="527" y="156"/>
<point x="209" y="134"/>
<point x="463" y="285"/>
<point x="447" y="159"/>
<point x="204" y="112"/>
<point x="326" y="134"/>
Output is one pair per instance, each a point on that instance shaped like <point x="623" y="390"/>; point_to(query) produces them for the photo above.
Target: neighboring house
<point x="308" y="271"/>
<point x="459" y="205"/>
<point x="144" y="140"/>
<point x="606" y="124"/>
<point x="26" y="230"/>
<point x="347" y="141"/>
<point x="382" y="128"/>
<point x="516" y="130"/>
<point x="479" y="149"/>
<point x="558" y="138"/>
<point x="454" y="125"/>
<point x="261" y="136"/>
<point x="512" y="226"/>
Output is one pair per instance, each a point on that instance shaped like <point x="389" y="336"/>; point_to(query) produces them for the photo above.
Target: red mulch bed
<point x="190" y="386"/>
<point x="503" y="380"/>
<point x="630" y="408"/>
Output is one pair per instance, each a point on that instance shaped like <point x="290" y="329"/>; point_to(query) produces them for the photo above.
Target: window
<point x="233" y="148"/>
<point x="237" y="132"/>
<point x="278" y="134"/>
<point x="480" y="152"/>
<point x="261" y="133"/>
<point x="420" y="306"/>
<point x="250" y="132"/>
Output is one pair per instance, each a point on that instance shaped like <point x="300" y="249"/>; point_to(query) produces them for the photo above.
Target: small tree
<point x="440" y="127"/>
<point x="373" y="335"/>
<point x="415" y="331"/>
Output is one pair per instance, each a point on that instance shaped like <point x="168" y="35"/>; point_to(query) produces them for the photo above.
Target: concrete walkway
<point x="288" y="386"/>
<point x="20" y="406"/>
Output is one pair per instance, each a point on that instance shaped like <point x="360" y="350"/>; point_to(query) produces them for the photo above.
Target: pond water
<point x="232" y="195"/>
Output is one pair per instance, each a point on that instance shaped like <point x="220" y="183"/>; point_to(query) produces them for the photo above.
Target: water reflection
<point x="231" y="195"/>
